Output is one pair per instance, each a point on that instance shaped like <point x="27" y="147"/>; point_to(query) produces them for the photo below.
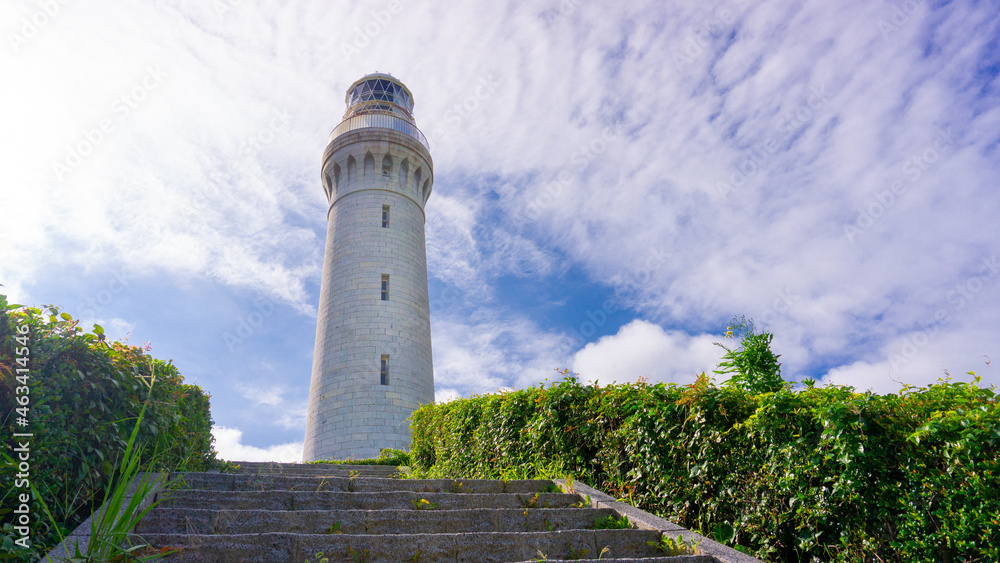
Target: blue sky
<point x="614" y="182"/>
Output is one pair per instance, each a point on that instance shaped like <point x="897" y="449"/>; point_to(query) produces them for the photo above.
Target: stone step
<point x="426" y="548"/>
<point x="339" y="500"/>
<point x="299" y="513"/>
<point x="316" y="468"/>
<point x="258" y="482"/>
<point x="669" y="559"/>
<point x="322" y="472"/>
<point x="208" y="522"/>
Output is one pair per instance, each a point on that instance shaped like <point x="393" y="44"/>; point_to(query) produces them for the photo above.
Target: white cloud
<point x="163" y="185"/>
<point x="452" y="253"/>
<point x="293" y="417"/>
<point x="228" y="445"/>
<point x="514" y="255"/>
<point x="445" y="395"/>
<point x="270" y="396"/>
<point x="877" y="377"/>
<point x="843" y="114"/>
<point x="807" y="110"/>
<point x="488" y="351"/>
<point x="919" y="358"/>
<point x="287" y="412"/>
<point x="643" y="349"/>
<point x="116" y="329"/>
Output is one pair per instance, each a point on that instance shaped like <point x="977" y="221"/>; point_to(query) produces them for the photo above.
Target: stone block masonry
<point x="372" y="363"/>
<point x="291" y="512"/>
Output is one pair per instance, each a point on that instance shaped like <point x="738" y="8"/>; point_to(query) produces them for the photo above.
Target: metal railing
<point x="382" y="120"/>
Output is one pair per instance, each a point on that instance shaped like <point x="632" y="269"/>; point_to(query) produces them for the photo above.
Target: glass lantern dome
<point x="379" y="101"/>
<point x="379" y="93"/>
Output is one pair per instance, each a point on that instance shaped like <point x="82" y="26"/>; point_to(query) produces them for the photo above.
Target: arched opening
<point x="352" y="169"/>
<point x="426" y="189"/>
<point x="369" y="165"/>
<point x="386" y="166"/>
<point x="416" y="180"/>
<point x="404" y="171"/>
<point x="336" y="177"/>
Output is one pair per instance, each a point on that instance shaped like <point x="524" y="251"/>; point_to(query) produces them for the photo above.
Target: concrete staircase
<point x="297" y="513"/>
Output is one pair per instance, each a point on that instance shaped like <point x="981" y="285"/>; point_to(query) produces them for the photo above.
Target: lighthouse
<point x="372" y="360"/>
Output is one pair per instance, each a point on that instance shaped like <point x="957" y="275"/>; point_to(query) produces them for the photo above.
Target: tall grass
<point x="124" y="505"/>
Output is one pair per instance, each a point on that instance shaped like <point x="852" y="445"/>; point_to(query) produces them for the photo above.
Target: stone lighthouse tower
<point x="372" y="362"/>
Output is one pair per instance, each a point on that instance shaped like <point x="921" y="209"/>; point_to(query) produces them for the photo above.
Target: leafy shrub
<point x="825" y="474"/>
<point x="386" y="456"/>
<point x="85" y="396"/>
<point x="611" y="522"/>
<point x="752" y="365"/>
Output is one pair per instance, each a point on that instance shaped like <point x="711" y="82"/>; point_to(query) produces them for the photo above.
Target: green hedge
<point x="824" y="473"/>
<point x="386" y="456"/>
<point x="85" y="394"/>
